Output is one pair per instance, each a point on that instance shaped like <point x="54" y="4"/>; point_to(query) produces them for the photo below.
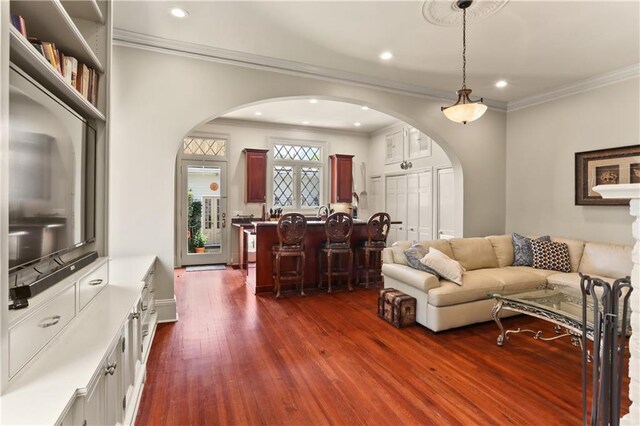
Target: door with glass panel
<point x="204" y="212"/>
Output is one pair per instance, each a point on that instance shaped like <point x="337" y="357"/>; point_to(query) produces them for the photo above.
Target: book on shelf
<point x="94" y="87"/>
<point x="18" y="22"/>
<point x="69" y="70"/>
<point x="77" y="75"/>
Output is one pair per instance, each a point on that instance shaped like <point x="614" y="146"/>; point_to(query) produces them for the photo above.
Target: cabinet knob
<point x="135" y="315"/>
<point x="110" y="369"/>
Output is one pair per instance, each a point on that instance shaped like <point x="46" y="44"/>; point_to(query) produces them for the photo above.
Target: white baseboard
<point x="167" y="310"/>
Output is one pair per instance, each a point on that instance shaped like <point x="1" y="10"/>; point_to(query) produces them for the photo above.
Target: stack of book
<point x="76" y="74"/>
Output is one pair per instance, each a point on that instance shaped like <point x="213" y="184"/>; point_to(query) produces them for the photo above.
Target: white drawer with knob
<point x="91" y="284"/>
<point x="29" y="336"/>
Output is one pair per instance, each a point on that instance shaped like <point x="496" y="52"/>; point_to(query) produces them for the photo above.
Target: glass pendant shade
<point x="464" y="110"/>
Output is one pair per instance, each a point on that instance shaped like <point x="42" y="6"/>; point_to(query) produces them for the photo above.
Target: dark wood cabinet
<point x="341" y="178"/>
<point x="255" y="175"/>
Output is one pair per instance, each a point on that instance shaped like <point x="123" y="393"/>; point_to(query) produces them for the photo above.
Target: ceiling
<point x="323" y="114"/>
<point x="537" y="46"/>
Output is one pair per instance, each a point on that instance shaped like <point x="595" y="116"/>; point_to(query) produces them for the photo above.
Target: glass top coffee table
<point x="560" y="305"/>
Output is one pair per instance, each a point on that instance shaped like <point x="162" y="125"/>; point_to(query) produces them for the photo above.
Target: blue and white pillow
<point x="522" y="251"/>
<point x="414" y="254"/>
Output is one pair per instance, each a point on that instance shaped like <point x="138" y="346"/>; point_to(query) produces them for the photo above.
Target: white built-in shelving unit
<point x="82" y="29"/>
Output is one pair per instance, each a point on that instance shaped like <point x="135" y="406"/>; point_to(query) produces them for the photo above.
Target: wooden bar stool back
<point x="377" y="231"/>
<point x="291" y="231"/>
<point x="338" y="228"/>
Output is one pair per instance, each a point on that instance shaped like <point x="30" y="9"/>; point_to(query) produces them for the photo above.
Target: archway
<point x="368" y="150"/>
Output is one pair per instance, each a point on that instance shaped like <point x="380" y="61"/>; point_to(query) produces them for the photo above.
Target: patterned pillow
<point x="551" y="255"/>
<point x="522" y="254"/>
<point x="413" y="256"/>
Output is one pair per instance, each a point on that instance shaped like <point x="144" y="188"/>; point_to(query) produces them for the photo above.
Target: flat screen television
<point x="52" y="169"/>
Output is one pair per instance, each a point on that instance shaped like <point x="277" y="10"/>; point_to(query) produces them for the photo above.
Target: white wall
<point x="158" y="98"/>
<point x="541" y="144"/>
<point x="256" y="135"/>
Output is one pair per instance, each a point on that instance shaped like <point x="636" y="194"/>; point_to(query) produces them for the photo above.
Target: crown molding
<point x="577" y="87"/>
<point x="193" y="50"/>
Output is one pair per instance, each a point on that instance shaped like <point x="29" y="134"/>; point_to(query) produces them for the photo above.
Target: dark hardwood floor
<point x="235" y="359"/>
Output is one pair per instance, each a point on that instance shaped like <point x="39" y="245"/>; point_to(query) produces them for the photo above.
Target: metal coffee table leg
<point x="495" y="313"/>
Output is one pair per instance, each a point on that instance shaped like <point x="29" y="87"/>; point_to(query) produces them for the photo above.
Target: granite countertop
<point x="318" y="222"/>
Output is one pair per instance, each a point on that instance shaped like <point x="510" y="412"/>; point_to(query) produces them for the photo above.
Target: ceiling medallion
<point x="447" y="13"/>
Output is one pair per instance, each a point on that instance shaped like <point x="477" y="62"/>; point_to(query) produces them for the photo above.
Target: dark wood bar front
<point x="260" y="278"/>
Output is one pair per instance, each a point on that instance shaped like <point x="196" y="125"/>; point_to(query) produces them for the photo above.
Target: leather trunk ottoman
<point x="396" y="307"/>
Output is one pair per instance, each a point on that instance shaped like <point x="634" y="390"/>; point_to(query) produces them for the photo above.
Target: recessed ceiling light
<point x="385" y="56"/>
<point x="305" y="122"/>
<point x="313" y="101"/>
<point x="357" y="124"/>
<point x="364" y="108"/>
<point x="178" y="12"/>
<point x="502" y="83"/>
<point x="257" y="113"/>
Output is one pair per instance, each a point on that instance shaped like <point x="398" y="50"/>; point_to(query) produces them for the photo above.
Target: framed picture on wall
<point x="612" y="166"/>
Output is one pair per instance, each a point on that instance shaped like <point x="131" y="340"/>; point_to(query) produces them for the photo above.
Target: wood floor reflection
<point x="236" y="359"/>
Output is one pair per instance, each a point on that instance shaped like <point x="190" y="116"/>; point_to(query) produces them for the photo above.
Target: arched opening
<point x="398" y="166"/>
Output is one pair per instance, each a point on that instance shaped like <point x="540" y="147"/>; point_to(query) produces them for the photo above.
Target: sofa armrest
<point x="387" y="255"/>
<point x="421" y="280"/>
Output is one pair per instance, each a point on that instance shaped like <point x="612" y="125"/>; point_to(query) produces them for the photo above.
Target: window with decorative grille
<point x="204" y="146"/>
<point x="297" y="175"/>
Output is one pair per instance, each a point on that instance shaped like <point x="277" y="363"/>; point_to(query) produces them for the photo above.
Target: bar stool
<point x="377" y="231"/>
<point x="338" y="228"/>
<point x="291" y="229"/>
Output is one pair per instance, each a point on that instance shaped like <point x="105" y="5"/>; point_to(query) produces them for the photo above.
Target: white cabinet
<point x="394" y="143"/>
<point x="418" y="144"/>
<point x="402" y="208"/>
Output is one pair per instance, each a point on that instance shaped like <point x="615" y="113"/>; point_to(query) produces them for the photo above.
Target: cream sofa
<point x="442" y="305"/>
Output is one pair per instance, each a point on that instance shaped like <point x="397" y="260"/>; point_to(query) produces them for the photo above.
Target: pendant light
<point x="464" y="110"/>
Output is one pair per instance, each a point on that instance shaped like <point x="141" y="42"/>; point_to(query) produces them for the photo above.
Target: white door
<point x="391" y="203"/>
<point x="394" y="147"/>
<point x="413" y="208"/>
<point x="402" y="208"/>
<point x="425" y="209"/>
<point x="445" y="220"/>
<point x="376" y="199"/>
<point x="203" y="192"/>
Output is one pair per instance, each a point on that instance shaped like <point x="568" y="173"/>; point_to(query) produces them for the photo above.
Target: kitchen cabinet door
<point x="255" y="175"/>
<point x="341" y="178"/>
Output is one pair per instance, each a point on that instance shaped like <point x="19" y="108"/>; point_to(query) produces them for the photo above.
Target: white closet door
<point x="445" y="203"/>
<point x="402" y="208"/>
<point x="425" y="201"/>
<point x="413" y="208"/>
<point x="376" y="199"/>
<point x="392" y="207"/>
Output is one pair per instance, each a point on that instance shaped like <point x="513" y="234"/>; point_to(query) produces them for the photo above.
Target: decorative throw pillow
<point x="413" y="256"/>
<point x="522" y="254"/>
<point x="445" y="266"/>
<point x="551" y="255"/>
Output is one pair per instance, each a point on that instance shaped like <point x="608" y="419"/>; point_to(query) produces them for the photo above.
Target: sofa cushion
<point x="522" y="254"/>
<point x="572" y="279"/>
<point x="576" y="248"/>
<point x="443" y="265"/>
<point x="551" y="255"/>
<point x="398" y="249"/>
<point x="474" y="253"/>
<point x="503" y="248"/>
<point x="476" y="285"/>
<point x="442" y="245"/>
<point x="609" y="260"/>
<point x="514" y="279"/>
<point x="540" y="272"/>
<point x="423" y="281"/>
